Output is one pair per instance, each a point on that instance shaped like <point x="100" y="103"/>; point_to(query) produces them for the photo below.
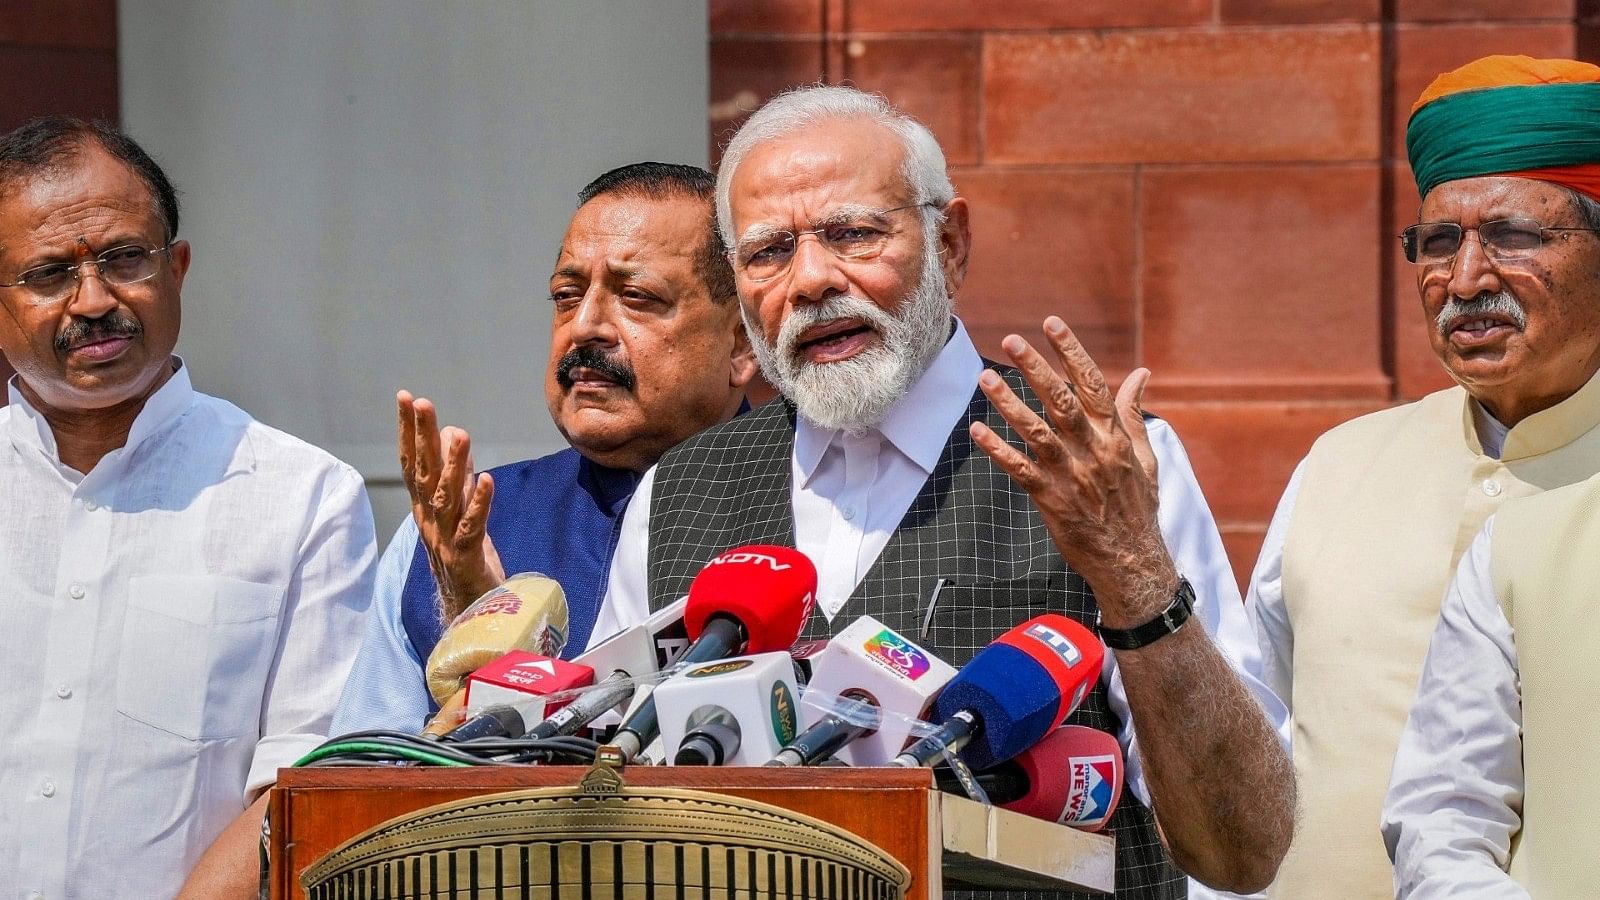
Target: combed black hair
<point x="48" y="143"/>
<point x="663" y="181"/>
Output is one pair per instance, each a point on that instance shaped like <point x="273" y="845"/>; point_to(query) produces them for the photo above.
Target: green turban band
<point x="1503" y="131"/>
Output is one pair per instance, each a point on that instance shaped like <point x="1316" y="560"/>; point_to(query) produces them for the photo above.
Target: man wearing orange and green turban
<point x="1506" y="153"/>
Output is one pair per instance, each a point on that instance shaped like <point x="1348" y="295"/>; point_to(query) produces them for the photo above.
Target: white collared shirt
<point x="178" y="624"/>
<point x="1455" y="793"/>
<point x="851" y="493"/>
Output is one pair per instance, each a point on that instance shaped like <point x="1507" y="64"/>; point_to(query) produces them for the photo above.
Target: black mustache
<point x="88" y="331"/>
<point x="587" y="357"/>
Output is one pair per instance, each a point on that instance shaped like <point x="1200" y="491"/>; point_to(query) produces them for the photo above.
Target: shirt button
<point x="90" y="505"/>
<point x="48" y="789"/>
<point x="1491" y="487"/>
<point x="849" y="512"/>
<point x="63" y="691"/>
<point x="75" y="592"/>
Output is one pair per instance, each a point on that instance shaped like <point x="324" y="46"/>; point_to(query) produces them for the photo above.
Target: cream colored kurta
<point x="1546" y="566"/>
<point x="1387" y="505"/>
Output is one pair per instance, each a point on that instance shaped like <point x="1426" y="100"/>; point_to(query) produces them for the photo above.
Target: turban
<point x="1509" y="115"/>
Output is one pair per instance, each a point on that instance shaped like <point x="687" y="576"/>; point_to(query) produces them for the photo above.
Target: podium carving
<point x="606" y="841"/>
<point x="547" y="832"/>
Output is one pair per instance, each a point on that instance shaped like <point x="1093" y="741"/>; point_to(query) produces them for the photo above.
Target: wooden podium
<point x="942" y="840"/>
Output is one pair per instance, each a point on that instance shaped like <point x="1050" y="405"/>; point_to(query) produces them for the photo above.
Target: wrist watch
<point x="1166" y="622"/>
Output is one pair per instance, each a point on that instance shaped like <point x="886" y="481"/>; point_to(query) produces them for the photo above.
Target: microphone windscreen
<point x="1074" y="777"/>
<point x="769" y="590"/>
<point x="525" y="612"/>
<point x="1021" y="686"/>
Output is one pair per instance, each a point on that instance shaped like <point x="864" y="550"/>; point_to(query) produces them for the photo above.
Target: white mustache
<point x="1501" y="305"/>
<point x="830" y="310"/>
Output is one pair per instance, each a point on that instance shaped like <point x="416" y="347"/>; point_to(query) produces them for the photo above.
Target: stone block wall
<point x="1209" y="188"/>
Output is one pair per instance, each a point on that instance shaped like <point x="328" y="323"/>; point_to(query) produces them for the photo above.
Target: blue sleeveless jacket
<point x="560" y="515"/>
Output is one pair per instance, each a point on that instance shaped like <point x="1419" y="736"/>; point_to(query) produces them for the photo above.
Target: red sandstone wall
<point x="56" y="56"/>
<point x="1209" y="188"/>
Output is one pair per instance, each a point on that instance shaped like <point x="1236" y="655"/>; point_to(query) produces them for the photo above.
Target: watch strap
<point x="1165" y="622"/>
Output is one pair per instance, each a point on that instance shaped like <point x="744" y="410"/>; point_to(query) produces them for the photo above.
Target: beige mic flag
<point x="526" y="612"/>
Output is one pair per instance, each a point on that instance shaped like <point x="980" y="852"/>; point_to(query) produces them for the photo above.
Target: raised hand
<point x="1091" y="473"/>
<point x="449" y="504"/>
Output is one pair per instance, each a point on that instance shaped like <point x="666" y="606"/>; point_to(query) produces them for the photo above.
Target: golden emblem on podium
<point x="603" y="839"/>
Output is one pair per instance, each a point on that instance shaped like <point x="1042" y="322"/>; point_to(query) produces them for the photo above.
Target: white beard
<point x="855" y="394"/>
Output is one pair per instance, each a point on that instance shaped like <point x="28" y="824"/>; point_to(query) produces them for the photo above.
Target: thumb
<point x="1130" y="412"/>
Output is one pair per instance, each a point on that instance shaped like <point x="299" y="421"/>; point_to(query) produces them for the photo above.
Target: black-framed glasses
<point x="848" y="234"/>
<point x="1434" y="243"/>
<point x="118" y="267"/>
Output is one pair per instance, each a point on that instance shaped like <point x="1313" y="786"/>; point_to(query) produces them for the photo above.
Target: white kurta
<point x="179" y="622"/>
<point x="1455" y="795"/>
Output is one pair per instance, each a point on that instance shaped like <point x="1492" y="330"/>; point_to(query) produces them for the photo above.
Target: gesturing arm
<point x="449" y="504"/>
<point x="1220" y="782"/>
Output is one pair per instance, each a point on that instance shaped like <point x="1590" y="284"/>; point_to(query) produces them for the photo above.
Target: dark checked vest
<point x="969" y="526"/>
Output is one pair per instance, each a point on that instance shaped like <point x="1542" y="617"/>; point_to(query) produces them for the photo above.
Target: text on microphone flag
<point x="1093" y="788"/>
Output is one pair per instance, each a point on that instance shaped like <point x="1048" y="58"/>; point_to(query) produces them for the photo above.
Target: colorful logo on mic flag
<point x="897" y="654"/>
<point x="1089" y="797"/>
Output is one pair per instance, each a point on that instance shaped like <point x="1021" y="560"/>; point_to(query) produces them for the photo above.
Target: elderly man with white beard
<point x="953" y="498"/>
<point x="1346" y="594"/>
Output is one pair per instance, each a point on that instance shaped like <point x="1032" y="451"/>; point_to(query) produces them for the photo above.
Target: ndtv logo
<point x="745" y="556"/>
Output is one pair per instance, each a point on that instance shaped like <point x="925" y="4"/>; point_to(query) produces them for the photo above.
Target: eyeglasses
<point x="854" y="234"/>
<point x="1433" y="243"/>
<point x="118" y="267"/>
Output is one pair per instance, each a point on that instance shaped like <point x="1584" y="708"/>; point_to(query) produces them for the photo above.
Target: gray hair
<point x="1587" y="207"/>
<point x="790" y="111"/>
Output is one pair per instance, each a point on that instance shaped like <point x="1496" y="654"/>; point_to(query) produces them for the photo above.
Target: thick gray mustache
<point x="1501" y="305"/>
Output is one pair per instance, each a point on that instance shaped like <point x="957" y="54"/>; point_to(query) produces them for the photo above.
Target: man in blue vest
<point x="646" y="349"/>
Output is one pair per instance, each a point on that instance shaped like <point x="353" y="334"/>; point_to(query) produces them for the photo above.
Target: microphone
<point x="854" y="716"/>
<point x="1012" y="693"/>
<point x="1074" y="777"/>
<point x="500" y="721"/>
<point x="868" y="666"/>
<point x="712" y="738"/>
<point x="752" y="599"/>
<point x="735" y="712"/>
<point x="524" y="682"/>
<point x="626" y="658"/>
<point x="525" y="612"/>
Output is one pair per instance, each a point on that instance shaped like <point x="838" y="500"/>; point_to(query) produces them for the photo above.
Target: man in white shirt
<point x="1494" y="788"/>
<point x="1357" y="557"/>
<point x="902" y="466"/>
<point x="183" y="586"/>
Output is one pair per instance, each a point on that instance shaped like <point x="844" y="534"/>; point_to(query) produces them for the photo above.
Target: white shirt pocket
<point x="195" y="653"/>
